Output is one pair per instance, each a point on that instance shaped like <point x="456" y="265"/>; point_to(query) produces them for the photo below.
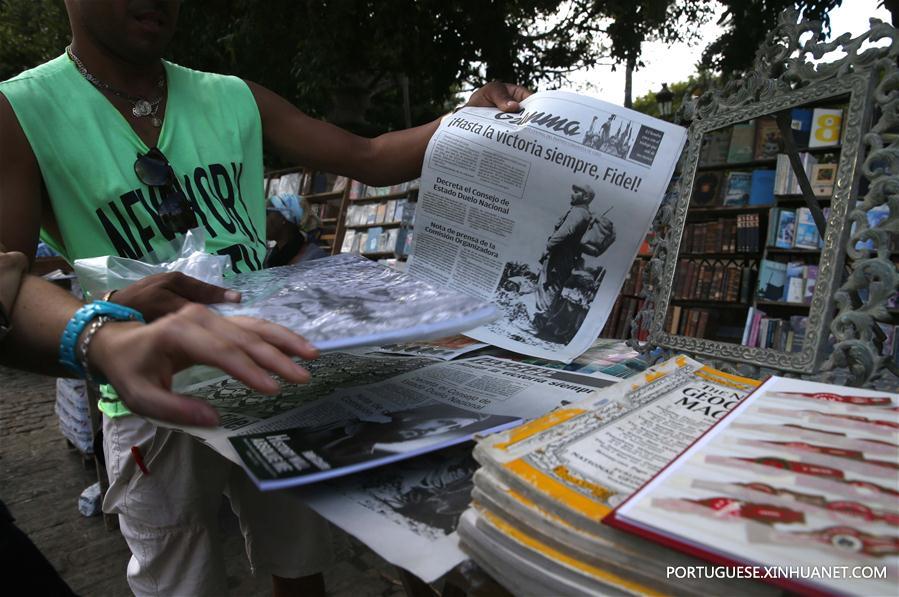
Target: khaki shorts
<point x="169" y="518"/>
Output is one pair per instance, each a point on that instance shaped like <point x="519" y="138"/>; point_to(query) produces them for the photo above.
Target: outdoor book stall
<point x="466" y="421"/>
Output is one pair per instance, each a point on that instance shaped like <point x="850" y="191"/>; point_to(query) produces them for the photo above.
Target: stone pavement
<point x="41" y="479"/>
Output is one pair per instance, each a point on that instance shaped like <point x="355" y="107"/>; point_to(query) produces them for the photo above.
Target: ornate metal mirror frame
<point x="789" y="72"/>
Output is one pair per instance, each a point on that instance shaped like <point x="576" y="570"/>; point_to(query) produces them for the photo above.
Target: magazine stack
<point x="543" y="489"/>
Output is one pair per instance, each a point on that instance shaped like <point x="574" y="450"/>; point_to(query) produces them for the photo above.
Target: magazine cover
<point x="583" y="460"/>
<point x="541" y="213"/>
<point x="802" y="476"/>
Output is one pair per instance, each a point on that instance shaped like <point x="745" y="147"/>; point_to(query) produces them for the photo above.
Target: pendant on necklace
<point x="141" y="108"/>
<point x="156" y="122"/>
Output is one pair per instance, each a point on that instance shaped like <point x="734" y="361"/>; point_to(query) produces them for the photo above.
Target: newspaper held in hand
<point x="346" y="301"/>
<point x="541" y="212"/>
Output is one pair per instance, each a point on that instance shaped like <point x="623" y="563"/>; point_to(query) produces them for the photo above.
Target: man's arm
<point x="387" y="159"/>
<point x="21" y="186"/>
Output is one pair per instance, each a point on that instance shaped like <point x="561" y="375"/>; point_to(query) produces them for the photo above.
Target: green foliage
<point x="694" y="85"/>
<point x="746" y="24"/>
<point x="31" y="32"/>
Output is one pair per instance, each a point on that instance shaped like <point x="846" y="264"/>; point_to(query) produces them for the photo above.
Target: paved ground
<point x="41" y="479"/>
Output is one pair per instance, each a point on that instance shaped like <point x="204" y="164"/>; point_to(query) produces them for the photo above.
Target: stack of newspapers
<point x="543" y="489"/>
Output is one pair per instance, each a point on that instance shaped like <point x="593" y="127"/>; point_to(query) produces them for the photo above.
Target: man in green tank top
<point x="78" y="133"/>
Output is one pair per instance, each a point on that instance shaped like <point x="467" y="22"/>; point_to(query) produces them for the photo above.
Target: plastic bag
<point x="184" y="254"/>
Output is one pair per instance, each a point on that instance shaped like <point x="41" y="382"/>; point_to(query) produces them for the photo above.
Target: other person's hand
<point x="140" y="360"/>
<point x="161" y="294"/>
<point x="504" y="96"/>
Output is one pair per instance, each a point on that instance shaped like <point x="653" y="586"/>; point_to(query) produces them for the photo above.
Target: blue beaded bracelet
<point x="79" y="321"/>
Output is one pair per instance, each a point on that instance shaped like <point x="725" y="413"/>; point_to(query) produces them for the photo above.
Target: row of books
<point x="761" y="186"/>
<point x="794" y="228"/>
<point x="377" y="240"/>
<point x="618" y="325"/>
<point x="685" y="321"/>
<point x="360" y="190"/>
<point x="786" y="335"/>
<point x="633" y="284"/>
<point x="724" y="235"/>
<point x="761" y="139"/>
<point x="821" y="177"/>
<point x="304" y="183"/>
<point x="385" y="212"/>
<point x="791" y="282"/>
<point x="683" y="459"/>
<point x="713" y="280"/>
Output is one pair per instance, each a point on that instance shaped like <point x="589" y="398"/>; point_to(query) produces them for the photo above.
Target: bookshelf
<point x="323" y="196"/>
<point x="375" y="222"/>
<point x="749" y="250"/>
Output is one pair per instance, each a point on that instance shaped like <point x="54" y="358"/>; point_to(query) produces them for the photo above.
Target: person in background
<point x="139" y="360"/>
<point x="288" y="225"/>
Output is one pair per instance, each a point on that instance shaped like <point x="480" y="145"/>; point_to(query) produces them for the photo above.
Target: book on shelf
<point x="714" y="147"/>
<point x="381" y="213"/>
<point x="736" y="189"/>
<point x="786" y="229"/>
<point x="795" y="290"/>
<point x="810" y="274"/>
<point x="826" y="127"/>
<point x="772" y="279"/>
<point x="742" y="142"/>
<point x="706" y="189"/>
<point x="356" y="190"/>
<point x="762" y="331"/>
<point x="761" y="187"/>
<point x="822" y="179"/>
<point x="768" y="140"/>
<point x="807" y="236"/>
<point x="801" y="124"/>
<point x="372" y="239"/>
<point x="348" y="238"/>
<point x="750" y="330"/>
<point x="785" y="179"/>
<point x="798" y="475"/>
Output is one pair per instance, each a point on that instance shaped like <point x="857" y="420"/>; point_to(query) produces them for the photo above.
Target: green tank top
<point x="211" y="135"/>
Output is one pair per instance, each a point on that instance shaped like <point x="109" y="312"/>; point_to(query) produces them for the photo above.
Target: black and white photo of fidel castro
<point x="570" y="272"/>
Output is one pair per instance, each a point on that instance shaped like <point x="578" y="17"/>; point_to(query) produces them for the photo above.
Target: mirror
<point x="747" y="277"/>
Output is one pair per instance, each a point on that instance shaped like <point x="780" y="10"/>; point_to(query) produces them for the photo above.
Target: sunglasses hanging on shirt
<point x="153" y="169"/>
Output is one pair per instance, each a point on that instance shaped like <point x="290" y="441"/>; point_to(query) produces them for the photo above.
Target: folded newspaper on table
<point x="362" y="411"/>
<point x="544" y="487"/>
<point x="345" y="301"/>
<point x="541" y="212"/>
<point x="408" y="512"/>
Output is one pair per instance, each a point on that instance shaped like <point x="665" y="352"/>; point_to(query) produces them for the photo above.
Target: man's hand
<point x="161" y="294"/>
<point x="140" y="360"/>
<point x="505" y="96"/>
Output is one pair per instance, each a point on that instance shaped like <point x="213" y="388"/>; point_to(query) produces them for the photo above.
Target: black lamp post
<point x="664" y="99"/>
